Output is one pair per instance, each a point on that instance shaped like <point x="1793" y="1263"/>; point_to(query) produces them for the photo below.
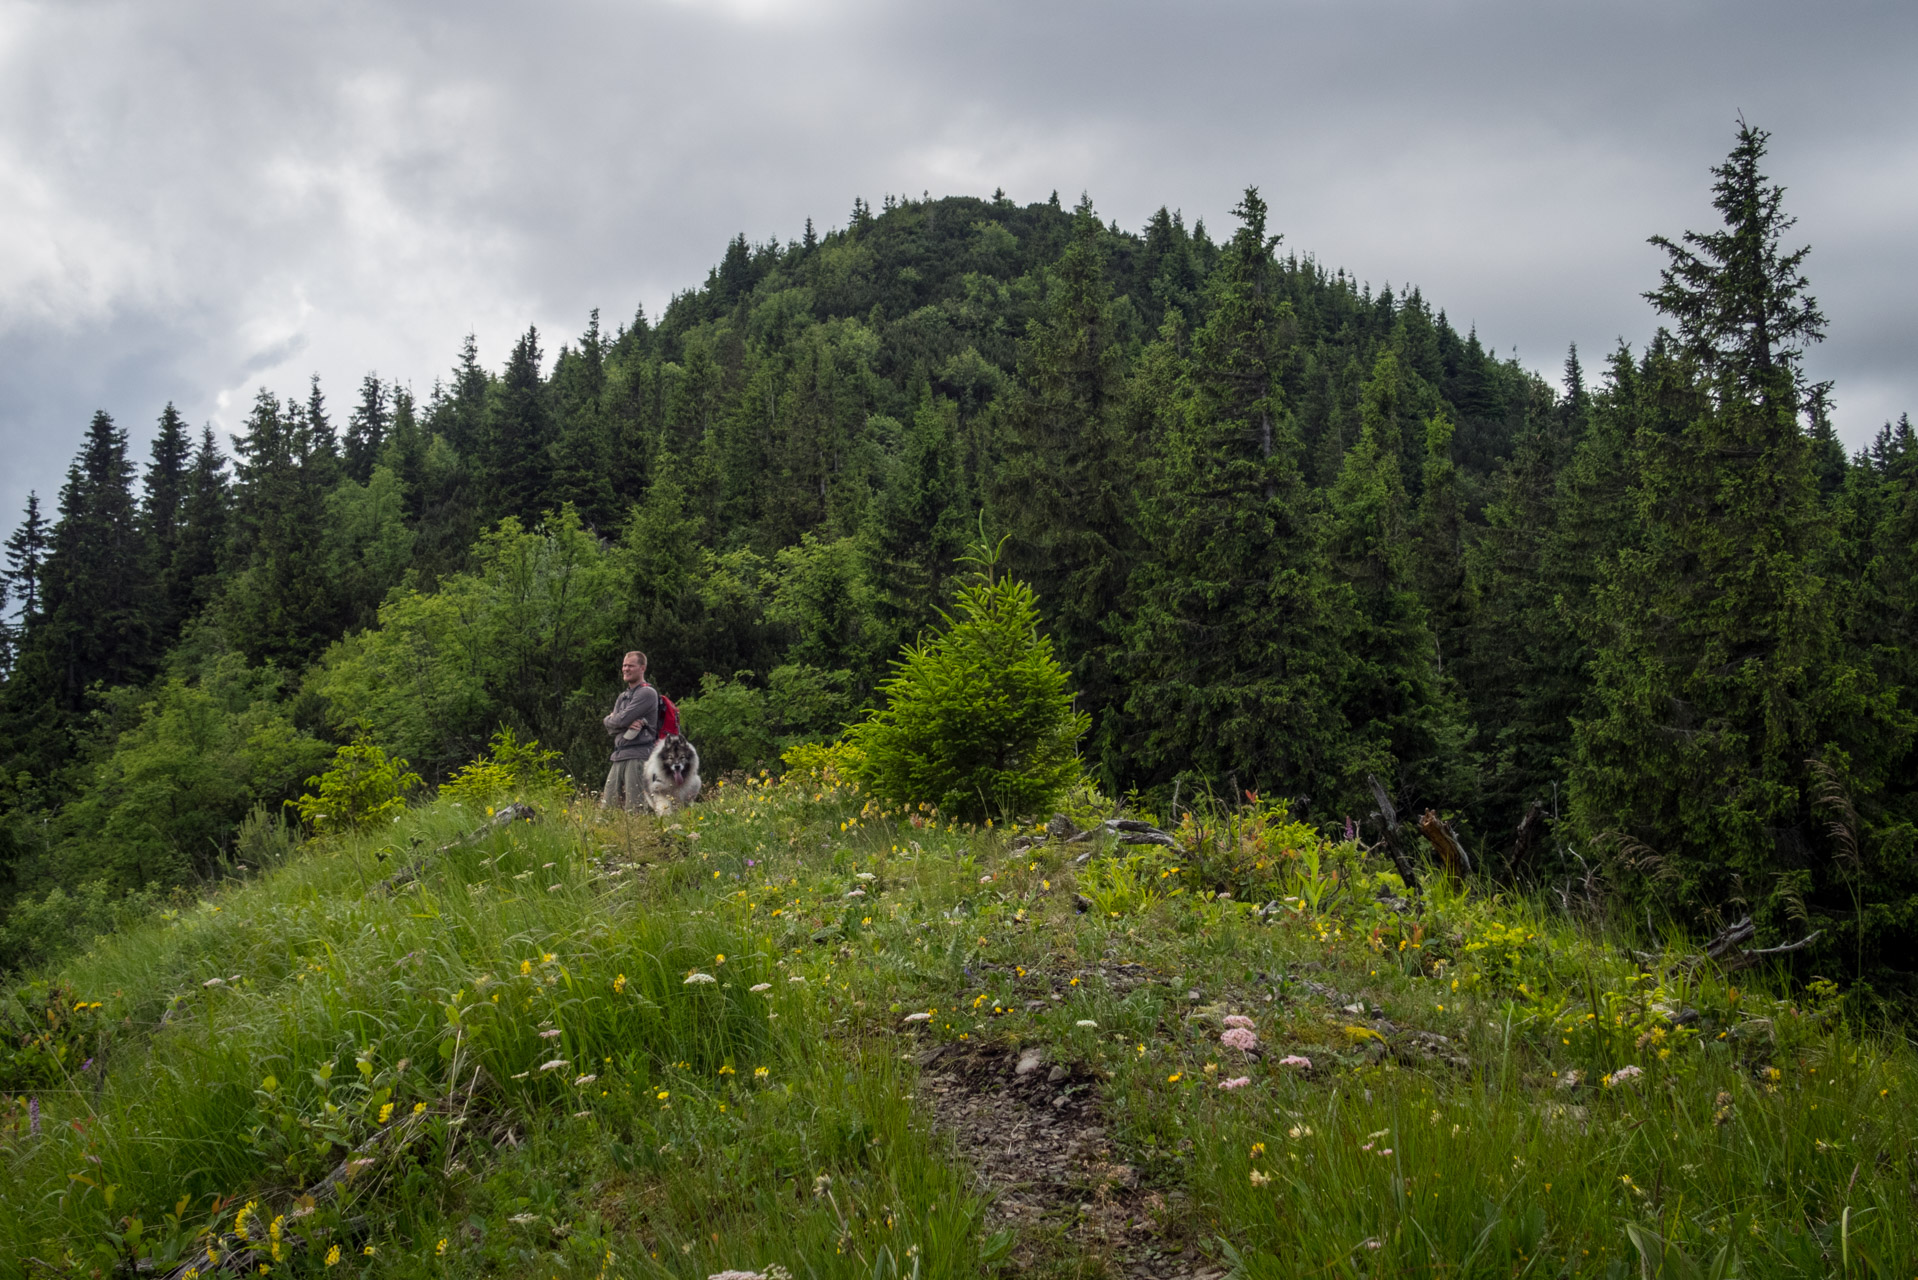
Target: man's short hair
<point x="634" y="653"/>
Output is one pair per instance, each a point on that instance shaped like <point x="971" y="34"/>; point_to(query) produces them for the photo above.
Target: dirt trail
<point x="1032" y="1130"/>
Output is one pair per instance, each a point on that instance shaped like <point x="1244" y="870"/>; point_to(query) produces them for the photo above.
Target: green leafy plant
<point x="364" y="787"/>
<point x="510" y="769"/>
<point x="978" y="717"/>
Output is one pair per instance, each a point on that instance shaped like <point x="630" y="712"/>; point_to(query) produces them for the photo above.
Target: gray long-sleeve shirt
<point x="639" y="702"/>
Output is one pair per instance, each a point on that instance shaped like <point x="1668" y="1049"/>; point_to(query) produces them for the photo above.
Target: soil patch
<point x="1032" y="1129"/>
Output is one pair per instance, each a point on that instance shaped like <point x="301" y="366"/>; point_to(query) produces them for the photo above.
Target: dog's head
<point x="677" y="758"/>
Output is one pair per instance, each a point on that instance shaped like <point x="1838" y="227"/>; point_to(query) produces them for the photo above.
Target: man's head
<point x="632" y="668"/>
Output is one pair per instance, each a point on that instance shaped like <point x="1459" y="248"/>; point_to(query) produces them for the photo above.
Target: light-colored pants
<point x="625" y="785"/>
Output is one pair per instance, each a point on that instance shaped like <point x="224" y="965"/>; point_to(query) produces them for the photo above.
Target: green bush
<point x="510" y="770"/>
<point x="738" y="725"/>
<point x="364" y="787"/>
<point x="978" y="717"/>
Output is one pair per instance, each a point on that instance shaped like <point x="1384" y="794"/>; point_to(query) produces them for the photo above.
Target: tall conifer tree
<point x="1063" y="492"/>
<point x="1233" y="662"/>
<point x="1720" y="675"/>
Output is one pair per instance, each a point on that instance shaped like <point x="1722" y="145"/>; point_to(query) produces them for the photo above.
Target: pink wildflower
<point x="1242" y="1038"/>
<point x="1237" y="1082"/>
<point x="1237" y="1020"/>
<point x="1294" y="1060"/>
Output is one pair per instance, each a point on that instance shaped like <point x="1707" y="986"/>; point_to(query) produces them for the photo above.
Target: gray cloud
<point x="196" y="198"/>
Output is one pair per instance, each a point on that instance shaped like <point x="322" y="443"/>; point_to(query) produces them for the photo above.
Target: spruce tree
<point x="26" y="558"/>
<point x="1409" y="729"/>
<point x="1233" y="663"/>
<point x="1720" y="677"/>
<point x="366" y="429"/>
<point x="279" y="605"/>
<point x="914" y="528"/>
<point x="167" y="477"/>
<point x="582" y="450"/>
<point x="95" y="623"/>
<point x="515" y="455"/>
<point x="1064" y="489"/>
<point x="190" y="578"/>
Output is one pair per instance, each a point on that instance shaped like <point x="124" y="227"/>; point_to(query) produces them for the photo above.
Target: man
<point x="634" y="726"/>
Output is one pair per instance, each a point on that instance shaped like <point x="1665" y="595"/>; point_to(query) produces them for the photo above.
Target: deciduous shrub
<point x="364" y="787"/>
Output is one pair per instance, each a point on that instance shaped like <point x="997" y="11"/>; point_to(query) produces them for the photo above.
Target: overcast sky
<point x="200" y="198"/>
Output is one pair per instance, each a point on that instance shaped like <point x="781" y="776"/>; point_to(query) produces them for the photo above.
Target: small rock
<point x="1060" y="1101"/>
<point x="1029" y="1062"/>
<point x="1057" y="1074"/>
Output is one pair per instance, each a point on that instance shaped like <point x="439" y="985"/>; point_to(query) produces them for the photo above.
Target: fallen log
<point x="517" y="812"/>
<point x="1728" y="948"/>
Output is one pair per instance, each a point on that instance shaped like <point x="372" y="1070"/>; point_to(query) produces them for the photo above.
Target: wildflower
<point x="1624" y="1075"/>
<point x="1296" y="1060"/>
<point x="386" y="1113"/>
<point x="918" y="1017"/>
<point x="418" y="1107"/>
<point x="1259" y="1179"/>
<point x="1238" y="1020"/>
<point x="760" y="1073"/>
<point x="214" y="982"/>
<point x="554" y="1065"/>
<point x="720" y="958"/>
<point x="1258" y="1149"/>
<point x="619" y="984"/>
<point x="523" y="1219"/>
<point x="548" y="958"/>
<point x="439" y="1250"/>
<point x="1236" y="1082"/>
<point x="1241" y="1038"/>
<point x="368" y="1251"/>
<point x="760" y="986"/>
<point x="698" y="979"/>
<point x="663" y="1094"/>
<point x="584" y="1080"/>
<point x="550" y="1034"/>
<point x="525" y="967"/>
<point x="795" y="978"/>
<point x="726" y="1070"/>
<point x="333" y="1256"/>
<point x="240" y="1218"/>
<point x="1370" y="1242"/>
<point x="1175" y="1077"/>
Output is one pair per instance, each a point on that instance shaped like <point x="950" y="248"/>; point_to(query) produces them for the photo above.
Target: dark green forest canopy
<point x="1291" y="534"/>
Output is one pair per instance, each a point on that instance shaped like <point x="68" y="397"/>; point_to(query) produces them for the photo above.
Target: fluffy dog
<point x="672" y="775"/>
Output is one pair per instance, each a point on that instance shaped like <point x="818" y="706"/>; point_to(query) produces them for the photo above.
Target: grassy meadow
<point x="599" y="1046"/>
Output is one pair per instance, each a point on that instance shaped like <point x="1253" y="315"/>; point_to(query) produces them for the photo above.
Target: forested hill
<point x="1292" y="534"/>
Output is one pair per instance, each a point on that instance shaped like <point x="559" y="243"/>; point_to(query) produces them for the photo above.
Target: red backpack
<point x="668" y="715"/>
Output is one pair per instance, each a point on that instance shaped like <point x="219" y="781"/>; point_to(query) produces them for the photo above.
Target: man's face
<point x="631" y="670"/>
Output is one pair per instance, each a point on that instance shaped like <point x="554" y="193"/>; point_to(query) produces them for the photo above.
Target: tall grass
<point x="243" y="1050"/>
